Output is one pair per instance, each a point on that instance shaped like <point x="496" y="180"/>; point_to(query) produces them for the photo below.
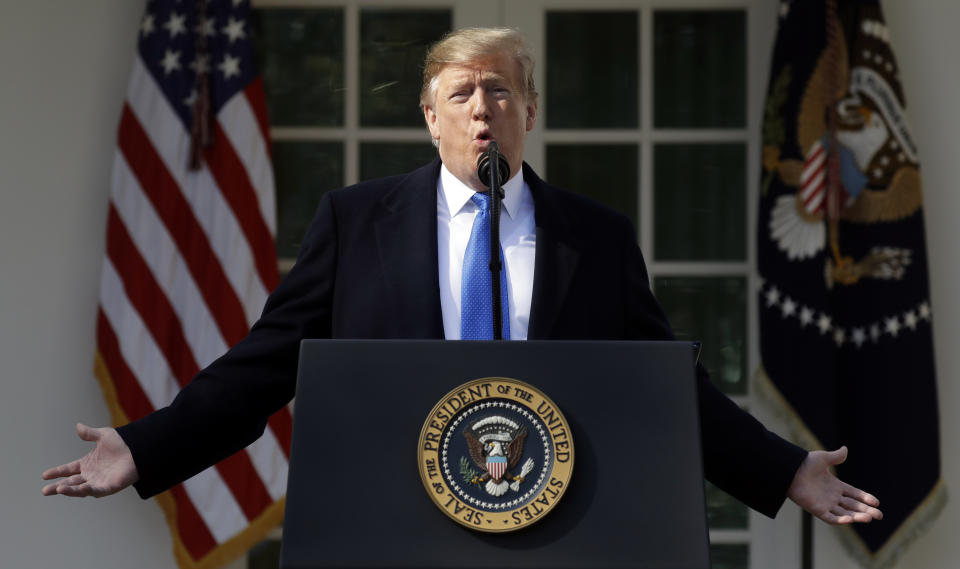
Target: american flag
<point x="190" y="256"/>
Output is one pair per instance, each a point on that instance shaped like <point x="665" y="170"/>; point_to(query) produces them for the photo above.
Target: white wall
<point x="65" y="65"/>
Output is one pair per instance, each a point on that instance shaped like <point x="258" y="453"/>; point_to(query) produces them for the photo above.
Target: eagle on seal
<point x="496" y="447"/>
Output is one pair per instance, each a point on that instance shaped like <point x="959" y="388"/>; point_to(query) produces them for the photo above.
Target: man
<point x="385" y="259"/>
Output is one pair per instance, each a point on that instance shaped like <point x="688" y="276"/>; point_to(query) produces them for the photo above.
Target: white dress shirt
<point x="518" y="239"/>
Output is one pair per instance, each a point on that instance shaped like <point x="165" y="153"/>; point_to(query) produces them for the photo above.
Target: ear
<point x="431" y="119"/>
<point x="531" y="115"/>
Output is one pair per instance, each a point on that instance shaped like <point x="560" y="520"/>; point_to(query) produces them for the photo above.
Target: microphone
<point x="493" y="159"/>
<point x="493" y="170"/>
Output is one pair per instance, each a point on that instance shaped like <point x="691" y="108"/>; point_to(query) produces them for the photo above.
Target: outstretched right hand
<point x="105" y="470"/>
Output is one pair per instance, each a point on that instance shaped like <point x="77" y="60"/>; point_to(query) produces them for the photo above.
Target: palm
<point x="105" y="470"/>
<point x="819" y="492"/>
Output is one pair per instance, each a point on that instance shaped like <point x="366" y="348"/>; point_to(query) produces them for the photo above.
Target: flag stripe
<point x="129" y="394"/>
<point x="194" y="534"/>
<point x="229" y="172"/>
<point x="171" y="142"/>
<point x="154" y="308"/>
<point x="148" y="300"/>
<point x="136" y="347"/>
<point x="241" y="127"/>
<point x="256" y="96"/>
<point x="150" y="368"/>
<point x="270" y="460"/>
<point x="155" y="244"/>
<point x="170" y="205"/>
<point x="281" y="423"/>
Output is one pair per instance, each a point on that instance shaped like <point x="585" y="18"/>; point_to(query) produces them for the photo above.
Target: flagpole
<point x="806" y="541"/>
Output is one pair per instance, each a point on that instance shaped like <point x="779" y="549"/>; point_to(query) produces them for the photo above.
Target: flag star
<point x="191" y="98"/>
<point x="773" y="295"/>
<point x="789" y="307"/>
<point x="839" y="336"/>
<point x="201" y="64"/>
<point x="148" y="25"/>
<point x="824" y="323"/>
<point x="859" y="336"/>
<point x="230" y="66"/>
<point x="806" y="316"/>
<point x="209" y="27"/>
<point x="910" y="320"/>
<point x="892" y="326"/>
<point x="170" y="61"/>
<point x="234" y="29"/>
<point x="176" y="25"/>
<point x="874" y="332"/>
<point x="925" y="311"/>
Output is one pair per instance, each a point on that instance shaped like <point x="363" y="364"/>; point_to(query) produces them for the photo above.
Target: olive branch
<point x="466" y="471"/>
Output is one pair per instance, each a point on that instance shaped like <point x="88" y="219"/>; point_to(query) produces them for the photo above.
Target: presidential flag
<point x="845" y="313"/>
<point x="190" y="255"/>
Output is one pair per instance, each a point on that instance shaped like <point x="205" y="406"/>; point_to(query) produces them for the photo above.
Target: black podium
<point x="355" y="497"/>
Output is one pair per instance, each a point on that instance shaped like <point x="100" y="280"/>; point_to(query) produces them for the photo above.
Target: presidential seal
<point x="495" y="454"/>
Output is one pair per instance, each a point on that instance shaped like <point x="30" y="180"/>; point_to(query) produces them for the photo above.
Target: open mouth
<point x="484" y="136"/>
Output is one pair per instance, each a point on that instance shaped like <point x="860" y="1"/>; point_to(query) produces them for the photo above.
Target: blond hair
<point x="471" y="44"/>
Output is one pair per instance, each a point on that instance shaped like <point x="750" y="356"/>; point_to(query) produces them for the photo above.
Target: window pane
<point x="605" y="172"/>
<point x="379" y="159"/>
<point x="699" y="68"/>
<point x="712" y="310"/>
<point x="301" y="60"/>
<point x="700" y="201"/>
<point x="303" y="171"/>
<point x="592" y="69"/>
<point x="730" y="556"/>
<point x="723" y="511"/>
<point x="392" y="46"/>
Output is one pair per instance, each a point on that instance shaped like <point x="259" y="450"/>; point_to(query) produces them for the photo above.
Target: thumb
<point x="88" y="433"/>
<point x="838" y="456"/>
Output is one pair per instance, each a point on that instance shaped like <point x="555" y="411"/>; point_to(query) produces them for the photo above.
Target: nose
<point x="481" y="108"/>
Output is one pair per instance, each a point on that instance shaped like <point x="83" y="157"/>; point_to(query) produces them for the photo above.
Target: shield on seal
<point x="497" y="467"/>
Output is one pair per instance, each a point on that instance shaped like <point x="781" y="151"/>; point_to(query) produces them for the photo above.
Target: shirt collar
<point x="457" y="194"/>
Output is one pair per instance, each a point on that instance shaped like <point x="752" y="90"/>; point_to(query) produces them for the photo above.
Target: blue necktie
<point x="476" y="310"/>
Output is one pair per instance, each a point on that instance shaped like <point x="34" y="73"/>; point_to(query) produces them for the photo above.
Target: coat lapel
<point x="407" y="245"/>
<point x="558" y="254"/>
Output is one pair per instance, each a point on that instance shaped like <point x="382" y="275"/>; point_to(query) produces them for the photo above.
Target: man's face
<point x="475" y="103"/>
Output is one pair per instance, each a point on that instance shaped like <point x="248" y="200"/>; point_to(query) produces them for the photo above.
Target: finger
<point x="78" y="491"/>
<point x="860" y="495"/>
<point x="860" y="507"/>
<point x="845" y="516"/>
<point x="834" y="519"/>
<point x="88" y="433"/>
<point x="73" y="480"/>
<point x="62" y="470"/>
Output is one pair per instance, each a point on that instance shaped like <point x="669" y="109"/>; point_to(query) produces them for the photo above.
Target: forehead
<point x="500" y="67"/>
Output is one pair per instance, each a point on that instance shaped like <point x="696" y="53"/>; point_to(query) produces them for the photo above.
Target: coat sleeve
<point x="740" y="455"/>
<point x="226" y="406"/>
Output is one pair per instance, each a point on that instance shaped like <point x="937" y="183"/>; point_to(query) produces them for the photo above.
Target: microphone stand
<point x="493" y="170"/>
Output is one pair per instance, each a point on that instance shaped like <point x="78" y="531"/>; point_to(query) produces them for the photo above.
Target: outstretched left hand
<point x="818" y="491"/>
